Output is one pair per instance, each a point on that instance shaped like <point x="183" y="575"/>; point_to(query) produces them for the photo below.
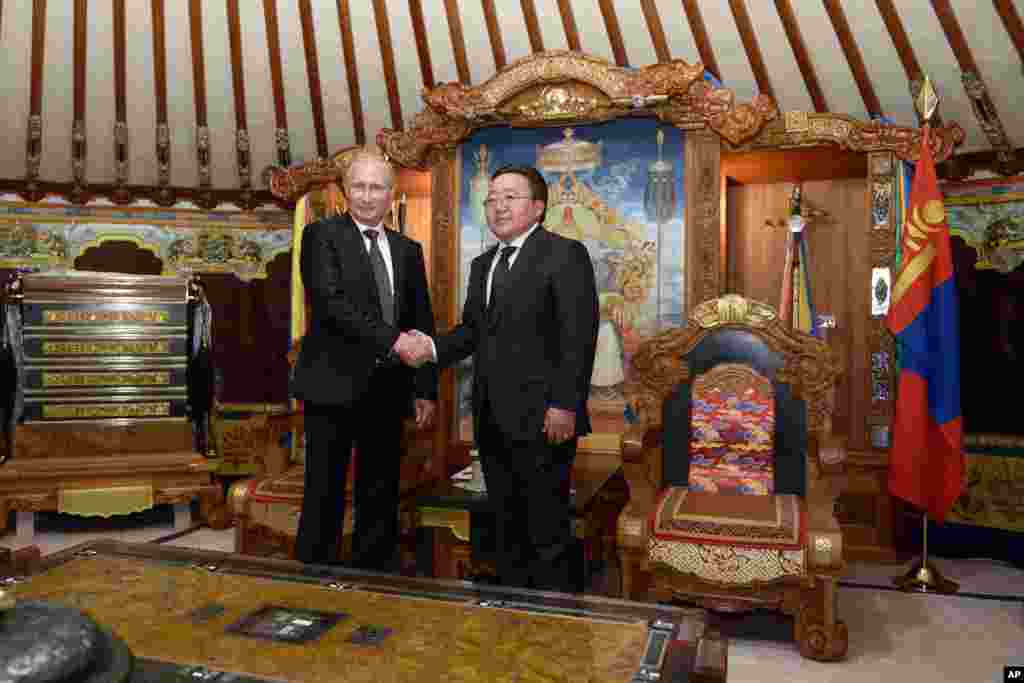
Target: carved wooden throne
<point x="733" y="473"/>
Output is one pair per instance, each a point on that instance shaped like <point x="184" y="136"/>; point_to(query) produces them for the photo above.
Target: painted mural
<point x="618" y="188"/>
<point x="52" y="236"/>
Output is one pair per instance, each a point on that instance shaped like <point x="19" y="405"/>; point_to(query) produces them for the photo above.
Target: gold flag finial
<point x="927" y="100"/>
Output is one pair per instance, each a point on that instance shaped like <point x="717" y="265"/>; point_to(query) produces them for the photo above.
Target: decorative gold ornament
<point x="927" y="100"/>
<point x="732" y="309"/>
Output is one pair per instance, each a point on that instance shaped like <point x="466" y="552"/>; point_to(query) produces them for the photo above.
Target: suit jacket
<point x="536" y="350"/>
<point x="347" y="339"/>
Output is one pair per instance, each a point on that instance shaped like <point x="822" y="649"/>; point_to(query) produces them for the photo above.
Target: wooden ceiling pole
<point x="750" y="46"/>
<point x="700" y="36"/>
<point x="802" y="56"/>
<point x="853" y="57"/>
<point x="121" y="155"/>
<point x="494" y="34"/>
<point x="572" y="34"/>
<point x="204" y="196"/>
<point x="419" y="30"/>
<point x="974" y="85"/>
<point x="34" y="145"/>
<point x="611" y="24"/>
<point x="78" y="133"/>
<point x="458" y="41"/>
<point x="243" y="157"/>
<point x="316" y="97"/>
<point x="351" y="71"/>
<point x="281" y="143"/>
<point x="915" y="75"/>
<point x="1012" y="22"/>
<point x="163" y="195"/>
<point x="891" y="19"/>
<point x="387" y="58"/>
<point x="532" y="25"/>
<point x="657" y="31"/>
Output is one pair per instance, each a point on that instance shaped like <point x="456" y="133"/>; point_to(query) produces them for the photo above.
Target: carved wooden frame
<point x="813" y="129"/>
<point x="811" y="366"/>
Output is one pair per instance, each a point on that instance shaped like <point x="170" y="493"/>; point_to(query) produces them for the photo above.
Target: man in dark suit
<point x="530" y="322"/>
<point x="365" y="284"/>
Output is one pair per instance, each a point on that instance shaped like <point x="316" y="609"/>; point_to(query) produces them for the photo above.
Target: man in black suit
<point x="530" y="322"/>
<point x="365" y="284"/>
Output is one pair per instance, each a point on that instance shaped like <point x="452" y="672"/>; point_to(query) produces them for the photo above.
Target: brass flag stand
<point x="923" y="576"/>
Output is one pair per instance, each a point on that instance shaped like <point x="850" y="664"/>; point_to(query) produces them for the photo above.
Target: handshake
<point x="414" y="348"/>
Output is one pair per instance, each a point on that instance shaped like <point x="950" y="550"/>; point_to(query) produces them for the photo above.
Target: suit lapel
<point x="486" y="260"/>
<point x="352" y="250"/>
<point x="526" y="263"/>
<point x="397" y="268"/>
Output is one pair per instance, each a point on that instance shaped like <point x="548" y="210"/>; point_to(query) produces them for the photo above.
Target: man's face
<point x="510" y="210"/>
<point x="369" y="190"/>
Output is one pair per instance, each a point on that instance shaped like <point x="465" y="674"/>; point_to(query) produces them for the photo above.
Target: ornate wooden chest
<point x="98" y="414"/>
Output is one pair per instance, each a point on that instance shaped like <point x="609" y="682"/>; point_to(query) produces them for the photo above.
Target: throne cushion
<point x="731" y="439"/>
<point x="729" y="539"/>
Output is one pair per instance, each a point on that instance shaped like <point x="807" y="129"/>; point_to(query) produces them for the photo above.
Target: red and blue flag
<point x="926" y="461"/>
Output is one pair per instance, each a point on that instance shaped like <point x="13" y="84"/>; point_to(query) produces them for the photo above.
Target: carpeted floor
<point x="894" y="636"/>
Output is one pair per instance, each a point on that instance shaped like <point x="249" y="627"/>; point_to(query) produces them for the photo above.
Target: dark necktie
<point x="380" y="274"/>
<point x="499" y="278"/>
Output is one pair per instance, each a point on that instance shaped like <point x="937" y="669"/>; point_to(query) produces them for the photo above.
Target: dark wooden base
<point x="20" y="560"/>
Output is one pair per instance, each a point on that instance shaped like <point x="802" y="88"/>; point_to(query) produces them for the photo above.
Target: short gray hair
<point x="365" y="153"/>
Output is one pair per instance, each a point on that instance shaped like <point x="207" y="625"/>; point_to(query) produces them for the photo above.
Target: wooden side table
<point x="455" y="525"/>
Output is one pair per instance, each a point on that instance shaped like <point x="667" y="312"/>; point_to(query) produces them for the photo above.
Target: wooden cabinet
<point x="101" y="398"/>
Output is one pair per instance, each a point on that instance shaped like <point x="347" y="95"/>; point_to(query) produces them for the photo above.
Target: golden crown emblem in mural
<point x="569" y="155"/>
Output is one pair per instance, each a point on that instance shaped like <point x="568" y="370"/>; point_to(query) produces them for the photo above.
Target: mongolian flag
<point x="926" y="462"/>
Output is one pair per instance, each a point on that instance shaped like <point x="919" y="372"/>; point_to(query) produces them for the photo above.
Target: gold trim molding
<point x="812" y="129"/>
<point x="551" y="88"/>
<point x="810" y="366"/>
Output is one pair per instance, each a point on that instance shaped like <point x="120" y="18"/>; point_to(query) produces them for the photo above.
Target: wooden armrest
<point x="831" y="454"/>
<point x="638" y="438"/>
<point x="828" y="471"/>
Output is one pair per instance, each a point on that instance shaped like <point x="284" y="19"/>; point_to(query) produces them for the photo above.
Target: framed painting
<point x="617" y="187"/>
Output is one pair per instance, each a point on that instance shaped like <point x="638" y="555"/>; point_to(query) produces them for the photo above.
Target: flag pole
<point x="923" y="576"/>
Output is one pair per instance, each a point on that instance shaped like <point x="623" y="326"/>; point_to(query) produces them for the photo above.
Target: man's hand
<point x="414" y="348"/>
<point x="559" y="424"/>
<point x="425" y="413"/>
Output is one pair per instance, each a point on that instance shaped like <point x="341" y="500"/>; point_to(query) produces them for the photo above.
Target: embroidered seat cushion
<point x="729" y="539"/>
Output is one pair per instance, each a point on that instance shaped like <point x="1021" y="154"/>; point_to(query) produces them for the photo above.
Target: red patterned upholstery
<point x="731" y="441"/>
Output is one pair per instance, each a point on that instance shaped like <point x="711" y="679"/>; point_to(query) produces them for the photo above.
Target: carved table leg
<point x="635" y="581"/>
<point x="820" y="635"/>
<point x="182" y="517"/>
<point x="215" y="510"/>
<point x="23" y="553"/>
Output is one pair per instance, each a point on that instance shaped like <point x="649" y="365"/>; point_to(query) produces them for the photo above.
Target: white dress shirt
<point x="385" y="249"/>
<point x="518" y="243"/>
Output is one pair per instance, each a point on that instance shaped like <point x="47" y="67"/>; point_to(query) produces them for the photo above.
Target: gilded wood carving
<point x="810" y="366"/>
<point x="557" y="87"/>
<point x="812" y="129"/>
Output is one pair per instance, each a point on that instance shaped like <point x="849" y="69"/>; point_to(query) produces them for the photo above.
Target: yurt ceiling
<point x="195" y="99"/>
